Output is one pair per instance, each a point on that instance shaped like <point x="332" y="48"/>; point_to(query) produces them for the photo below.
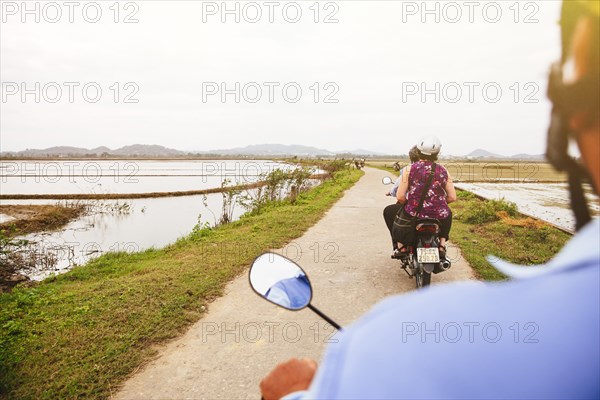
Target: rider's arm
<point x="403" y="188"/>
<point x="394" y="189"/>
<point x="450" y="191"/>
<point x="289" y="380"/>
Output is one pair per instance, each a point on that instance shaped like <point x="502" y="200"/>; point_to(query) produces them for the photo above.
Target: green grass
<point x="484" y="227"/>
<point x="386" y="167"/>
<point x="82" y="333"/>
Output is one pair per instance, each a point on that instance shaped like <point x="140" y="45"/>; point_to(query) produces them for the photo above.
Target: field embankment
<point x="149" y="195"/>
<point x="80" y="334"/>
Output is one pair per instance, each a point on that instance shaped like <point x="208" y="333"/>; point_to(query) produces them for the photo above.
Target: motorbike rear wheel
<point x="419" y="279"/>
<point x="426" y="278"/>
<point x="422" y="278"/>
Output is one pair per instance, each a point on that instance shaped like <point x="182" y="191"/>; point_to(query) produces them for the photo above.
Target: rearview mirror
<point x="280" y="281"/>
<point x="387" y="180"/>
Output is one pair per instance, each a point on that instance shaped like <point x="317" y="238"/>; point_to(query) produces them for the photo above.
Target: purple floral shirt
<point x="435" y="205"/>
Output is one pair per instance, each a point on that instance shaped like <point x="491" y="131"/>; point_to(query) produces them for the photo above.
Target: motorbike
<point x="422" y="259"/>
<point x="359" y="164"/>
<point x="281" y="281"/>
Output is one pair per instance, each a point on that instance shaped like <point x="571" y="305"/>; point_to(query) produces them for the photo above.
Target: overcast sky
<point x="369" y="67"/>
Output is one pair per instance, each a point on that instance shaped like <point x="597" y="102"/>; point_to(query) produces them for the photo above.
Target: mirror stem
<point x="325" y="317"/>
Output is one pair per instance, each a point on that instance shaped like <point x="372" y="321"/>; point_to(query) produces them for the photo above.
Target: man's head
<point x="574" y="90"/>
<point x="574" y="87"/>
<point x="583" y="47"/>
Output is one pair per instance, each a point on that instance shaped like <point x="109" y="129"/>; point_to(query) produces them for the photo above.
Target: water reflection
<point x="151" y="223"/>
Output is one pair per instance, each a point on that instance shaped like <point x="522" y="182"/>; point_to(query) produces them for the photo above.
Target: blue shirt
<point x="394" y="188"/>
<point x="294" y="293"/>
<point x="534" y="337"/>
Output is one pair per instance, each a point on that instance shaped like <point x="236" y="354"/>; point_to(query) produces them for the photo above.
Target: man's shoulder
<point x="452" y="333"/>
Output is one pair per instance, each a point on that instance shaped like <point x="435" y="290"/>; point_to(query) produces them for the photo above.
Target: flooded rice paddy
<point x="133" y="224"/>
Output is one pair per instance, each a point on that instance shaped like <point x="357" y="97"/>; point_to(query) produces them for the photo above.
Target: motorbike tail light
<point x="427" y="228"/>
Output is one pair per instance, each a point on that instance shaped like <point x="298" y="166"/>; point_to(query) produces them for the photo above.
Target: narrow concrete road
<point x="347" y="257"/>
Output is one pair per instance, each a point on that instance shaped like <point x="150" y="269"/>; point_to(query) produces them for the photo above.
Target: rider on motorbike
<point x="389" y="213"/>
<point x="440" y="193"/>
<point x="413" y="156"/>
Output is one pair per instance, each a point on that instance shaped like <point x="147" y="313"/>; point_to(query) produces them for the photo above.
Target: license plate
<point x="427" y="255"/>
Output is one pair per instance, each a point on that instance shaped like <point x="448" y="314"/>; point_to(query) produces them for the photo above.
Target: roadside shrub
<point x="278" y="186"/>
<point x="335" y="165"/>
<point x="482" y="212"/>
<point x="229" y="194"/>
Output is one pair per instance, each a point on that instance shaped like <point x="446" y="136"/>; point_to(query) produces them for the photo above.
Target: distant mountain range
<point x="265" y="150"/>
<point x="272" y="150"/>
<point x="481" y="153"/>
<point x="135" y="150"/>
<point x="141" y="150"/>
<point x="287" y="150"/>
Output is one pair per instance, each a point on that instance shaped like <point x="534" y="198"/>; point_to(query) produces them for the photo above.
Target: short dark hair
<point x="413" y="154"/>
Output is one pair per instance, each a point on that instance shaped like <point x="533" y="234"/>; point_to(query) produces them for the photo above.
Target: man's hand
<point x="288" y="377"/>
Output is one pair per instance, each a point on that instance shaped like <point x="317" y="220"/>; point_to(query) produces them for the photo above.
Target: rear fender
<point x="427" y="239"/>
<point x="428" y="268"/>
